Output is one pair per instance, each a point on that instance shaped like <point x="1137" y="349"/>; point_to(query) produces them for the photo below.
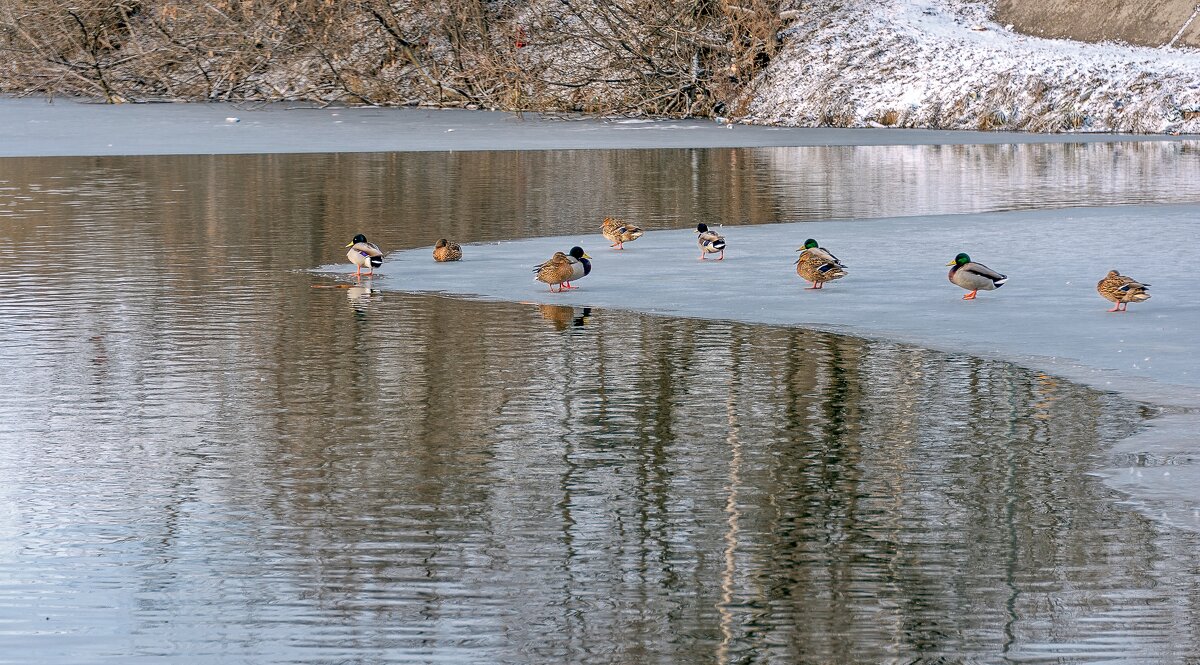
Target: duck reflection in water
<point x="360" y="297"/>
<point x="565" y="316"/>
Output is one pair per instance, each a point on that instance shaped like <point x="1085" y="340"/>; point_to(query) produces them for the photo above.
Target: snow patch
<point x="921" y="64"/>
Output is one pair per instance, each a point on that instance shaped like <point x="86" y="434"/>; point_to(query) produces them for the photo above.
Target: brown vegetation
<point x="659" y="57"/>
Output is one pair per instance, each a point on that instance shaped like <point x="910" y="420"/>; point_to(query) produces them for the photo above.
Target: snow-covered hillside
<point x="945" y="64"/>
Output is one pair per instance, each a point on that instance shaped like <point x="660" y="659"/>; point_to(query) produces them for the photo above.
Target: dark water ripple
<point x="205" y="459"/>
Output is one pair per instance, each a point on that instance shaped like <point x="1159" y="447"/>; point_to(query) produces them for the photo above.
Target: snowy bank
<point x="944" y="63"/>
<point x="1048" y="316"/>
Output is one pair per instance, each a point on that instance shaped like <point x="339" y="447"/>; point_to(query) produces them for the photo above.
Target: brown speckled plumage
<point x="1121" y="290"/>
<point x="555" y="271"/>
<point x="445" y="250"/>
<point x="819" y="266"/>
<point x="619" y="232"/>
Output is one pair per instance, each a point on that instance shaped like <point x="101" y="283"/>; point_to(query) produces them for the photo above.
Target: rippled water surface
<point x="205" y="459"/>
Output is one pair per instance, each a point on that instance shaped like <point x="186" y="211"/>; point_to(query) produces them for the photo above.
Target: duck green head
<point x="810" y="244"/>
<point x="961" y="259"/>
<point x="357" y="239"/>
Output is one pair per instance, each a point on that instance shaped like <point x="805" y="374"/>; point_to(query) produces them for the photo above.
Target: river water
<point x="203" y="458"/>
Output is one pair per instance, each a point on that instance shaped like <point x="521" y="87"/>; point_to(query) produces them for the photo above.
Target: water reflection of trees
<point x="482" y="476"/>
<point x="290" y="207"/>
<point x="886" y="501"/>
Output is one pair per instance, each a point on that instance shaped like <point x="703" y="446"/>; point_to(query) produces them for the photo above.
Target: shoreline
<point x="38" y="127"/>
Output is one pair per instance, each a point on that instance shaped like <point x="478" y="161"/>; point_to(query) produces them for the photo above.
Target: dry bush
<point x="660" y="57"/>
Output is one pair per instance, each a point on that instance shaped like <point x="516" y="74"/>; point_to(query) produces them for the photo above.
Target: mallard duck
<point x="445" y="250"/>
<point x="817" y="265"/>
<point x="1122" y="290"/>
<point x="581" y="266"/>
<point x="974" y="277"/>
<point x="619" y="232"/>
<point x="710" y="242"/>
<point x="562" y="269"/>
<point x="364" y="254"/>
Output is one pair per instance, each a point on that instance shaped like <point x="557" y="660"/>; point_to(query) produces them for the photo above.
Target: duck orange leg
<point x="722" y="256"/>
<point x="1116" y="307"/>
<point x="971" y="295"/>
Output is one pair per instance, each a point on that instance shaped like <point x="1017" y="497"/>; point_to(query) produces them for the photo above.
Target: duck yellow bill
<point x="586" y="256"/>
<point x="350" y="245"/>
<point x="950" y="264"/>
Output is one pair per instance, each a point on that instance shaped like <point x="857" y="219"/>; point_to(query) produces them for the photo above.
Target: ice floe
<point x="1048" y="316"/>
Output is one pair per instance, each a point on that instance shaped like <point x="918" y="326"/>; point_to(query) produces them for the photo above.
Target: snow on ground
<point x="943" y="63"/>
<point x="1048" y="316"/>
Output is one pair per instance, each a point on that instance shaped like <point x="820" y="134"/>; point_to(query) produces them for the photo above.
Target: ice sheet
<point x="33" y="127"/>
<point x="1048" y="316"/>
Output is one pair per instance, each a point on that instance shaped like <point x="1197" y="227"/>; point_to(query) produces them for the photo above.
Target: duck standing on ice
<point x="1122" y="290"/>
<point x="710" y="242"/>
<point x="619" y="232"/>
<point x="562" y="269"/>
<point x="817" y="265"/>
<point x="364" y="254"/>
<point x="974" y="277"/>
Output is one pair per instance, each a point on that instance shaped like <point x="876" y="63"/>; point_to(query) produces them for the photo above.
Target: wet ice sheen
<point x="897" y="287"/>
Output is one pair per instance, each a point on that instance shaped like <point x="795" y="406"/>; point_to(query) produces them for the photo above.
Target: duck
<point x="581" y="265"/>
<point x="974" y="277"/>
<point x="445" y="250"/>
<point x="562" y="269"/>
<point x="818" y="265"/>
<point x="619" y="232"/>
<point x="1122" y="290"/>
<point x="710" y="242"/>
<point x="364" y="254"/>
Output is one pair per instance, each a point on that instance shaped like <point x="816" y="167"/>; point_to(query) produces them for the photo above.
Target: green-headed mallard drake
<point x="818" y="265"/>
<point x="974" y="277"/>
<point x="562" y="269"/>
<point x="619" y="232"/>
<point x="1122" y="290"/>
<point x="710" y="242"/>
<point x="364" y="254"/>
<point x="445" y="250"/>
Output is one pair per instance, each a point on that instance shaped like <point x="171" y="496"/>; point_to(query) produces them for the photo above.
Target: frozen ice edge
<point x="1048" y="317"/>
<point x="36" y="128"/>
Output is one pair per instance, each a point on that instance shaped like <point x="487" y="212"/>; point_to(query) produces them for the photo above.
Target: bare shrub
<point x="660" y="57"/>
